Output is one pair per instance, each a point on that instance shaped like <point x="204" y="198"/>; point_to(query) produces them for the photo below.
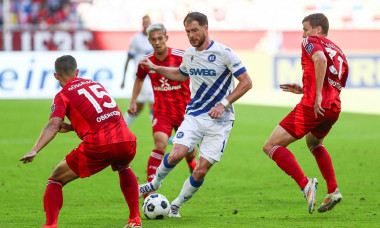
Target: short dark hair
<point x="318" y="19"/>
<point x="65" y="65"/>
<point x="196" y="16"/>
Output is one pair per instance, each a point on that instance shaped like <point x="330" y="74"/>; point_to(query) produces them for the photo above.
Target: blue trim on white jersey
<point x="199" y="93"/>
<point x="183" y="73"/>
<point x="239" y="72"/>
<point x="214" y="101"/>
<point x="210" y="92"/>
<point x="212" y="42"/>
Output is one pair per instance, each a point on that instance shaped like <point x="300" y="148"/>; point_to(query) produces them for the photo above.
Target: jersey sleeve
<point x="58" y="108"/>
<point x="141" y="72"/>
<point x="183" y="68"/>
<point x="310" y="45"/>
<point x="233" y="63"/>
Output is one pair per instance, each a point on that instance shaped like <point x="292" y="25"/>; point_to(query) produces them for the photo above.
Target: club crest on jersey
<point x="52" y="109"/>
<point x="309" y="48"/>
<point x="180" y="135"/>
<point x="211" y="58"/>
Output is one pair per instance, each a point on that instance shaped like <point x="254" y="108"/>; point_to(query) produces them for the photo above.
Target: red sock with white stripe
<point x="325" y="166"/>
<point x="287" y="162"/>
<point x="53" y="200"/>
<point x="154" y="161"/>
<point x="130" y="189"/>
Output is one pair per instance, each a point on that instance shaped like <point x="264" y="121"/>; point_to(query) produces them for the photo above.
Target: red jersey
<point x="336" y="72"/>
<point x="93" y="113"/>
<point x="170" y="97"/>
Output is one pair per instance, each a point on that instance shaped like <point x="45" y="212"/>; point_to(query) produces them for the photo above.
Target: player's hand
<point x="122" y="85"/>
<point x="318" y="110"/>
<point x="291" y="87"/>
<point x="145" y="62"/>
<point x="29" y="157"/>
<point x="132" y="109"/>
<point x="216" y="111"/>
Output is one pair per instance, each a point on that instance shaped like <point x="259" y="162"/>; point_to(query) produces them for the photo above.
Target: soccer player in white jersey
<point x="139" y="47"/>
<point x="212" y="68"/>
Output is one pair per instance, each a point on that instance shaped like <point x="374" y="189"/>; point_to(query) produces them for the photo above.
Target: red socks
<point x="325" y="166"/>
<point x="53" y="200"/>
<point x="287" y="162"/>
<point x="130" y="189"/>
<point x="191" y="162"/>
<point x="154" y="161"/>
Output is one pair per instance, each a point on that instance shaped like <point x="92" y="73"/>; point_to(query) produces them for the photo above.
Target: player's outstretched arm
<point x="292" y="87"/>
<point x="125" y="71"/>
<point x="47" y="134"/>
<point x="171" y="73"/>
<point x="245" y="84"/>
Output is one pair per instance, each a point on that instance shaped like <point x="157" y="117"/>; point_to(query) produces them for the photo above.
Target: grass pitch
<point x="246" y="189"/>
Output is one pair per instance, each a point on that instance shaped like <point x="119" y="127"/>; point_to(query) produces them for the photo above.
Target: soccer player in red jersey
<point x="171" y="97"/>
<point x="107" y="140"/>
<point x="325" y="72"/>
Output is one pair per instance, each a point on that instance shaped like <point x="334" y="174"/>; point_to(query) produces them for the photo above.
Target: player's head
<point x="315" y="24"/>
<point x="157" y="37"/>
<point x="145" y="22"/>
<point x="196" y="26"/>
<point x="65" y="68"/>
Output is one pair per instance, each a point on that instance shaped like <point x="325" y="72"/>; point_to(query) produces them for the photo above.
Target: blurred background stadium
<point x="266" y="34"/>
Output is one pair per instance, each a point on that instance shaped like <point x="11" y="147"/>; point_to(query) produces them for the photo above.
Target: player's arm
<point x="245" y="84"/>
<point x="125" y="71"/>
<point x="47" y="134"/>
<point x="171" y="73"/>
<point x="132" y="109"/>
<point x="320" y="66"/>
<point x="292" y="87"/>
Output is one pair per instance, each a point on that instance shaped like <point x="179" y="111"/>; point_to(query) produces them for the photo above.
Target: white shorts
<point x="213" y="134"/>
<point x="146" y="94"/>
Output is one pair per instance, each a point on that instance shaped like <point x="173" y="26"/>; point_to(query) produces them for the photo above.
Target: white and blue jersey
<point x="211" y="73"/>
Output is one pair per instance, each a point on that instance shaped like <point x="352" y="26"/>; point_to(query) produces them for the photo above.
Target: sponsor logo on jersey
<point x="203" y="72"/>
<point x="52" y="108"/>
<point x="237" y="64"/>
<point x="309" y="48"/>
<point x="165" y="86"/>
<point x="180" y="135"/>
<point x="164" y="82"/>
<point x="211" y="58"/>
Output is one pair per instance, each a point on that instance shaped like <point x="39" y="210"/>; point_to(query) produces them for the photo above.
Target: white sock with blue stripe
<point x="162" y="171"/>
<point x="190" y="187"/>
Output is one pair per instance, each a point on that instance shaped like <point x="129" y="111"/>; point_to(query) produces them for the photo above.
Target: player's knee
<point x="267" y="147"/>
<point x="161" y="146"/>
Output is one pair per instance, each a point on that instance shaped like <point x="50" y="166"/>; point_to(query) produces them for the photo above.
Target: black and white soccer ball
<point x="155" y="206"/>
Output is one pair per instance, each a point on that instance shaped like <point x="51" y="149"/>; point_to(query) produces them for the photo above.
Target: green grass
<point x="246" y="189"/>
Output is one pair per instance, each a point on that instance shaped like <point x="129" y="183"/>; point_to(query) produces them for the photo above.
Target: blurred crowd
<point x="223" y="14"/>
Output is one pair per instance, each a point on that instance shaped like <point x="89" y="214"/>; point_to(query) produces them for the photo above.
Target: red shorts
<point x="88" y="159"/>
<point x="302" y="120"/>
<point x="166" y="124"/>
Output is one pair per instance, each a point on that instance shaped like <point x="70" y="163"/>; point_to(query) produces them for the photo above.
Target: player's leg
<point x="190" y="159"/>
<point x="314" y="141"/>
<point x="275" y="148"/>
<point x="191" y="186"/>
<point x="156" y="156"/>
<point x="121" y="155"/>
<point x="53" y="198"/>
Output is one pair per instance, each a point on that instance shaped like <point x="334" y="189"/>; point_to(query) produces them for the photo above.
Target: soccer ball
<point x="155" y="206"/>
